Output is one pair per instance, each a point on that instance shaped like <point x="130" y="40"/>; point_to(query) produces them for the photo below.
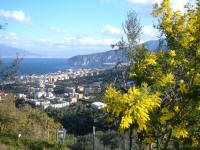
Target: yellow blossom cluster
<point x="134" y="106"/>
<point x="176" y="108"/>
<point x="151" y="59"/>
<point x="180" y="130"/>
<point x="197" y="79"/>
<point x="166" y="115"/>
<point x="173" y="73"/>
<point x="172" y="53"/>
<point x="182" y="87"/>
<point x="195" y="142"/>
<point x="168" y="78"/>
<point x="149" y="140"/>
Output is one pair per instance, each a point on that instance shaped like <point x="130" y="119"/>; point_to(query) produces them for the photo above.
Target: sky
<point x="65" y="28"/>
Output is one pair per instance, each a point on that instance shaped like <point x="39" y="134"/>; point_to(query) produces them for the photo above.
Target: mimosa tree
<point x="164" y="104"/>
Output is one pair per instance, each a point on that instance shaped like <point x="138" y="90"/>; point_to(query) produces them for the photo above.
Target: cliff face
<point x="105" y="58"/>
<point x="97" y="60"/>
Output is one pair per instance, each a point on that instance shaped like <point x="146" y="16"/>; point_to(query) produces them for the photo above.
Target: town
<point x="56" y="90"/>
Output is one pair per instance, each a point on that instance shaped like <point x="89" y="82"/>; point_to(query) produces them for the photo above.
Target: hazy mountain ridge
<point x="80" y="61"/>
<point x="105" y="58"/>
<point x="8" y="51"/>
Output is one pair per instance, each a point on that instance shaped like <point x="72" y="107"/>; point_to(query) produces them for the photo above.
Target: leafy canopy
<point x="164" y="104"/>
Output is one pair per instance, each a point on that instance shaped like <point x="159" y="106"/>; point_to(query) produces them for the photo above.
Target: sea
<point x="29" y="66"/>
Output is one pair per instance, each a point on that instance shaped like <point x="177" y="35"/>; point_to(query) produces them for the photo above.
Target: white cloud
<point x="61" y="46"/>
<point x="17" y="15"/>
<point x="111" y="30"/>
<point x="44" y="40"/>
<point x="9" y="36"/>
<point x="67" y="46"/>
<point x="149" y="33"/>
<point x="86" y="41"/>
<point x="176" y="4"/>
<point x="57" y="30"/>
<point x="179" y="4"/>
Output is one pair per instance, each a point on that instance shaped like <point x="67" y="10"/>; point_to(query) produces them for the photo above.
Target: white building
<point x="44" y="106"/>
<point x="59" y="105"/>
<point x="40" y="95"/>
<point x="50" y="95"/>
<point x="22" y="95"/>
<point x="97" y="105"/>
<point x="66" y="77"/>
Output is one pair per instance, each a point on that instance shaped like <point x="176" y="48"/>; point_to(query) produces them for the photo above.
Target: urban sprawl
<point x="39" y="90"/>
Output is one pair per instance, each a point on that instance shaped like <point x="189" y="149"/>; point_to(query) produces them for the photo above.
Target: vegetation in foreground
<point x="161" y="110"/>
<point x="38" y="131"/>
<point x="163" y="107"/>
<point x="8" y="142"/>
<point x="23" y="119"/>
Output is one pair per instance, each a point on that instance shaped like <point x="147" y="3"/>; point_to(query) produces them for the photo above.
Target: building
<point x="80" y="89"/>
<point x="34" y="102"/>
<point x="50" y="86"/>
<point x="22" y="95"/>
<point x="44" y="106"/>
<point x="59" y="105"/>
<point x="97" y="105"/>
<point x="41" y="85"/>
<point x="40" y="95"/>
<point x="89" y="90"/>
<point x="96" y="84"/>
<point x="65" y="95"/>
<point x="70" y="90"/>
<point x="89" y="97"/>
<point x="50" y="95"/>
<point x="80" y="96"/>
<point x="72" y="100"/>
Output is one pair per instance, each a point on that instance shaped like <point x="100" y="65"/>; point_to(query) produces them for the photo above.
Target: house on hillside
<point x="98" y="105"/>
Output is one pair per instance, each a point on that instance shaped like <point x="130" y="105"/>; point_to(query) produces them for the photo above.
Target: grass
<point x="14" y="143"/>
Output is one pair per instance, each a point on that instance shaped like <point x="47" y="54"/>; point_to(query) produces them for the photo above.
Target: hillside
<point x="18" y="117"/>
<point x="8" y="142"/>
<point x="97" y="59"/>
<point x="105" y="58"/>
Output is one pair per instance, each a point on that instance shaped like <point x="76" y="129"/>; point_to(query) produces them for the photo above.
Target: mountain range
<point x="105" y="58"/>
<point x="82" y="61"/>
<point x="10" y="52"/>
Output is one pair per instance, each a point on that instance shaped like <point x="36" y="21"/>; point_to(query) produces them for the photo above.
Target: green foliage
<point x="172" y="77"/>
<point x="80" y="118"/>
<point x="29" y="122"/>
<point x="9" y="72"/>
<point x="13" y="142"/>
<point x="109" y="140"/>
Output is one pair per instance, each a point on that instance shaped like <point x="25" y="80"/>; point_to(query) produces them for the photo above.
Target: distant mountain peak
<point x="9" y="51"/>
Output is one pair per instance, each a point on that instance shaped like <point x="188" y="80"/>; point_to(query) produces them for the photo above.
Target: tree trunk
<point x="130" y="138"/>
<point x="168" y="139"/>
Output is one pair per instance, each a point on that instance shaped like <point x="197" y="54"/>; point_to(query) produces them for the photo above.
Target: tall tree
<point x="10" y="71"/>
<point x="164" y="104"/>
